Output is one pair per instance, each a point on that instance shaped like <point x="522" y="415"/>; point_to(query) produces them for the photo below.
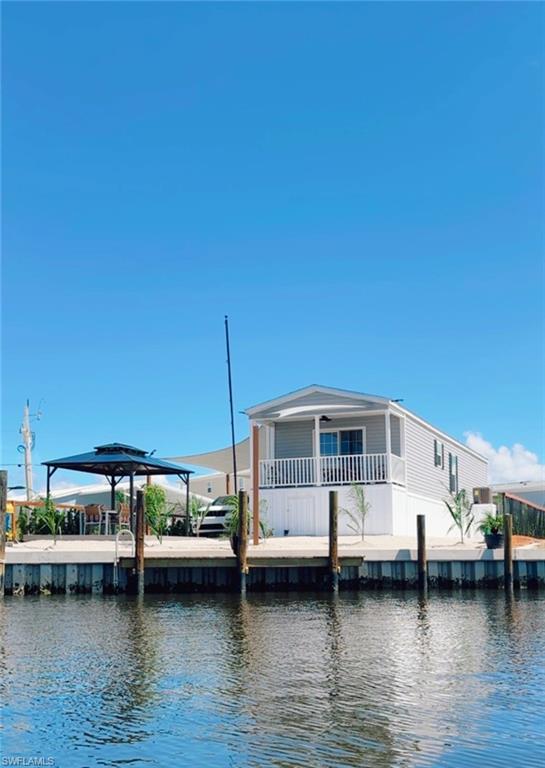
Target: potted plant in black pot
<point x="492" y="529"/>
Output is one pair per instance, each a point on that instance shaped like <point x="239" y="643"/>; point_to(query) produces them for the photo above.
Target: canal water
<point x="365" y="679"/>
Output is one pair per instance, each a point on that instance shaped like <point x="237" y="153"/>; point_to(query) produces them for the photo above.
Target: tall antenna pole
<point x="27" y="441"/>
<point x="231" y="402"/>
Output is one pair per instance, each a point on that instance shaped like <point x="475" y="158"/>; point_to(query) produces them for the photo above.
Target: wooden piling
<point x="255" y="482"/>
<point x="3" y="496"/>
<point x="242" y="553"/>
<point x="421" y="551"/>
<point x="139" y="540"/>
<point x="334" y="539"/>
<point x="508" y="552"/>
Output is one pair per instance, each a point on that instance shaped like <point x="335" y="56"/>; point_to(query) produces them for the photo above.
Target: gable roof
<point x="315" y="389"/>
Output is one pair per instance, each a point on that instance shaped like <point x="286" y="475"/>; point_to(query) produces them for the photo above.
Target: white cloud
<point x="507" y="465"/>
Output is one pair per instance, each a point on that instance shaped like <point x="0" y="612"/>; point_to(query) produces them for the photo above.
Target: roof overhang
<point x="293" y="405"/>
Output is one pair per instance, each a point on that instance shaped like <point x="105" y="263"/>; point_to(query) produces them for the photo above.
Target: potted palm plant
<point x="491" y="527"/>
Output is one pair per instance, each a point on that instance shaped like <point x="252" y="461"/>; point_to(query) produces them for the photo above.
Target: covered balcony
<point x="320" y="437"/>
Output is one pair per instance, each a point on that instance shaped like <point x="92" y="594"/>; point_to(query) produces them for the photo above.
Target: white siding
<point x="305" y="511"/>
<point x="424" y="478"/>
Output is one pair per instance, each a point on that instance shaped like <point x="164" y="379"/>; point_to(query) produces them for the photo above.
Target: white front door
<point x="301" y="516"/>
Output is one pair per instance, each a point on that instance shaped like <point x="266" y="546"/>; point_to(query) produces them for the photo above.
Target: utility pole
<point x="233" y="444"/>
<point x="27" y="446"/>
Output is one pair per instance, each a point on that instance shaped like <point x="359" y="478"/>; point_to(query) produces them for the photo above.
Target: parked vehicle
<point x="213" y="518"/>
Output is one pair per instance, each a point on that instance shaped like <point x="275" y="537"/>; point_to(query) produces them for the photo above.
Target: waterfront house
<point x="318" y="438"/>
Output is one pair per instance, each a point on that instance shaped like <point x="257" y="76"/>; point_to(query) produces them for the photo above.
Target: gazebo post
<point x="187" y="505"/>
<point x="112" y="494"/>
<point x="50" y="472"/>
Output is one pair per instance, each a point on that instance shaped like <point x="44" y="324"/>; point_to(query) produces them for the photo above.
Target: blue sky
<point x="359" y="186"/>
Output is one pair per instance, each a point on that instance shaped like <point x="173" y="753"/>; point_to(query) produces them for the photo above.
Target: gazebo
<point x="116" y="461"/>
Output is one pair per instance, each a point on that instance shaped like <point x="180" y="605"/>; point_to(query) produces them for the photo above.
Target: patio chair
<point x="93" y="517"/>
<point x="124" y="516"/>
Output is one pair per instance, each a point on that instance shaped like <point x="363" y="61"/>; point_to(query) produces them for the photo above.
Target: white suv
<point x="213" y="518"/>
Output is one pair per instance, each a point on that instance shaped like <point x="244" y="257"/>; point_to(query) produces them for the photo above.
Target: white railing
<point x="330" y="470"/>
<point x="275" y="473"/>
<point x="359" y="468"/>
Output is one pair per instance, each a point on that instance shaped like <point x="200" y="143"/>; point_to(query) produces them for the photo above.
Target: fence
<point x="528" y="518"/>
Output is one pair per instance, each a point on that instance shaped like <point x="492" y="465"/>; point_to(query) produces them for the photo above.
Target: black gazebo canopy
<point x="116" y="461"/>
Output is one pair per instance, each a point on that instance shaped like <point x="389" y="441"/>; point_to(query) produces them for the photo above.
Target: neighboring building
<point x="100" y="493"/>
<point x="318" y="438"/>
<point x="533" y="492"/>
<point x="215" y="484"/>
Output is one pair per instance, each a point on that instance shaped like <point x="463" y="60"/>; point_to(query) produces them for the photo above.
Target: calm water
<point x="283" y="680"/>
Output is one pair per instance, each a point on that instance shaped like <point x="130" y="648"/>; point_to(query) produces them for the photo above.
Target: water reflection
<point x="359" y="679"/>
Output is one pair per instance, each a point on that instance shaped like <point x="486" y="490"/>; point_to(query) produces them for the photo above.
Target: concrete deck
<point x="289" y="550"/>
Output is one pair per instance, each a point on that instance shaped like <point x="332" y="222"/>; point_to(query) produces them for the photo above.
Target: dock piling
<point x="421" y="552"/>
<point x="242" y="555"/>
<point x="334" y="539"/>
<point x="508" y="552"/>
<point x="139" y="548"/>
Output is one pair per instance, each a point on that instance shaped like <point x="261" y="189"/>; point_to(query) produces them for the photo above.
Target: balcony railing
<point x="330" y="470"/>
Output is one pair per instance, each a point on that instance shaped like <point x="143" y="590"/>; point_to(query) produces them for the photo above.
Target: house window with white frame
<point x="439" y="454"/>
<point x="329" y="443"/>
<point x="453" y="473"/>
<point x="344" y="442"/>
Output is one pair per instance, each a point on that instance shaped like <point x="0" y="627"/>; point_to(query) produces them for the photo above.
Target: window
<point x="439" y="454"/>
<point x="351" y="442"/>
<point x="346" y="442"/>
<point x="453" y="473"/>
<point x="329" y="443"/>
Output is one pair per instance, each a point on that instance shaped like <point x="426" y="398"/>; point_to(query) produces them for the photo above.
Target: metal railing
<point x="330" y="470"/>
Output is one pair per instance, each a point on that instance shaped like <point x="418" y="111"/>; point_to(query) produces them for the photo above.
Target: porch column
<point x="317" y="473"/>
<point x="388" y="446"/>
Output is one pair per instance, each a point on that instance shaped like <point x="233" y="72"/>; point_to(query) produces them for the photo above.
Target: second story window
<point x="351" y="442"/>
<point x="453" y="473"/>
<point x="439" y="454"/>
<point x="329" y="443"/>
<point x="345" y="442"/>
